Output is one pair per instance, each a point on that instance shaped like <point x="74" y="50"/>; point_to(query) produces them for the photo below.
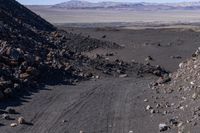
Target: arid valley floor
<point x="133" y="90"/>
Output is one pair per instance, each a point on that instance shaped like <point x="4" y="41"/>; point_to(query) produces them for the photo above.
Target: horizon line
<point x="115" y="2"/>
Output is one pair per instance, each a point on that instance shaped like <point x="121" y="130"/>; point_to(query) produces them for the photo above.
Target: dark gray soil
<point x="102" y="106"/>
<point x="64" y="88"/>
<point x="163" y="45"/>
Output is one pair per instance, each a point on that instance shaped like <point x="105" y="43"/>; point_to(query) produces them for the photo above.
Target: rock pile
<point x="120" y="68"/>
<point x="31" y="50"/>
<point x="179" y="99"/>
<point x="79" y="43"/>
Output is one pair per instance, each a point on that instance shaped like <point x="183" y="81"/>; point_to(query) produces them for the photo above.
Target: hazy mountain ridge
<point x="186" y="4"/>
<point x="79" y="4"/>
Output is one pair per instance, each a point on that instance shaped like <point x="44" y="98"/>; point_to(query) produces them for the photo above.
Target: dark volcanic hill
<point x="31" y="50"/>
<point x="22" y="16"/>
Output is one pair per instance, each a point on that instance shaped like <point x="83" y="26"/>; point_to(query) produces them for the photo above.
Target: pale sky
<point x="49" y="2"/>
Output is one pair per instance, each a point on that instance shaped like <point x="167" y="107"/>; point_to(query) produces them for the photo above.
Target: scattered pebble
<point x="182" y="108"/>
<point x="189" y="121"/>
<point x="149" y="58"/>
<point x="152" y="111"/>
<point x="195" y="123"/>
<point x="148" y="107"/>
<point x="163" y="127"/>
<point x="194" y="96"/>
<point x="21" y="120"/>
<point x="123" y="76"/>
<point x="192" y="83"/>
<point x="164" y="112"/>
<point x="145" y="100"/>
<point x="64" y="121"/>
<point x="6" y="116"/>
<point x="181" y="65"/>
<point x="180" y="124"/>
<point x="10" y="110"/>
<point x="173" y="121"/>
<point x="176" y="57"/>
<point x="157" y="105"/>
<point x="13" y="124"/>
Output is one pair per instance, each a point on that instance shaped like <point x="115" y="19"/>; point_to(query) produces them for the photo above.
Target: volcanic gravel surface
<point x="167" y="46"/>
<point x="40" y="92"/>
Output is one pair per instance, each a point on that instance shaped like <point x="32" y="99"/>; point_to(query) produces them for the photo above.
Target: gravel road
<point x="103" y="106"/>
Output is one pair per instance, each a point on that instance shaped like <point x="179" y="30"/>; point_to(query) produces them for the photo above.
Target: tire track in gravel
<point x="102" y="106"/>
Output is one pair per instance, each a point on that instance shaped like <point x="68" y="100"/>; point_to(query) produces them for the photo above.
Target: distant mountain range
<point x="80" y="4"/>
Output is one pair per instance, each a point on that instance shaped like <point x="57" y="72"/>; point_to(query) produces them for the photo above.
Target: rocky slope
<point x="178" y="100"/>
<point x="32" y="51"/>
<point x="32" y="48"/>
<point x="22" y="16"/>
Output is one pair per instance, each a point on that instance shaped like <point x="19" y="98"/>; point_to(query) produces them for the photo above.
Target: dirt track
<point x="107" y="105"/>
<point x="103" y="106"/>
